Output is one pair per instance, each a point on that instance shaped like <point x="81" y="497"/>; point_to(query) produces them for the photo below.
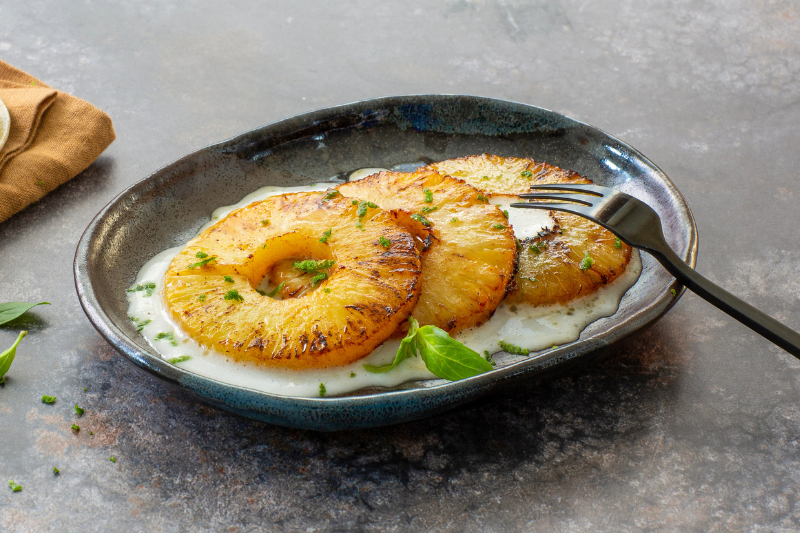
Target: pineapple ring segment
<point x="370" y="290"/>
<point x="471" y="252"/>
<point x="552" y="266"/>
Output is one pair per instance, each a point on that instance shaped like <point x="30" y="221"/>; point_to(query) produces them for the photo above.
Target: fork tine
<point x="576" y="209"/>
<point x="585" y="188"/>
<point x="577" y="198"/>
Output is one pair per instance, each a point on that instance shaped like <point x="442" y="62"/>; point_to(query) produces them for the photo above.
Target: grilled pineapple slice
<point x="574" y="258"/>
<point x="361" y="290"/>
<point x="470" y="251"/>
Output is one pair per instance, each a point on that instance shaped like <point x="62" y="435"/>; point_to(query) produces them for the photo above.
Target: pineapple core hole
<point x="294" y="265"/>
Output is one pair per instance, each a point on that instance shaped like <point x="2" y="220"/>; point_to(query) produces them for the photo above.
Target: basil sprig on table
<point x="7" y="357"/>
<point x="11" y="310"/>
<point x="443" y="355"/>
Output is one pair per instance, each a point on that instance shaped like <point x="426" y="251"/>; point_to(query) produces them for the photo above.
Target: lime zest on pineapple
<point x="428" y="195"/>
<point x="587" y="262"/>
<point x="310" y="266"/>
<point x="319" y="277"/>
<point x="276" y="290"/>
<point x="202" y="263"/>
<point x="233" y="294"/>
<point x="617" y="243"/>
<point x="201" y="255"/>
<point x="326" y="235"/>
<point x="331" y="194"/>
<point x="384" y="241"/>
<point x="227" y="279"/>
<point x="526" y="173"/>
<point x="421" y="219"/>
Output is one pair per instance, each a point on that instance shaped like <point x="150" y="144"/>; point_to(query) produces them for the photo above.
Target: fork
<point x="636" y="224"/>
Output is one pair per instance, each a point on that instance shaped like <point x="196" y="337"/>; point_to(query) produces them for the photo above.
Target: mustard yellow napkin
<point x="54" y="137"/>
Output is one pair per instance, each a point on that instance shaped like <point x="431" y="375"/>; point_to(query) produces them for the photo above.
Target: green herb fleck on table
<point x="79" y="410"/>
<point x="326" y="235"/>
<point x="489" y="358"/>
<point x="75" y="427"/>
<point x="234" y="295"/>
<point x="587" y="262"/>
<point x="674" y="292"/>
<point x="179" y="359"/>
<point x="7" y="357"/>
<point x="11" y="310"/>
<point x="56" y="471"/>
<point x="276" y="290"/>
<point x="167" y="336"/>
<point x="555" y="347"/>
<point x="428" y="195"/>
<point x="444" y="356"/>
<point x="617" y="243"/>
<point x="322" y="389"/>
<point x="147" y="288"/>
<point x="112" y="459"/>
<point x="202" y="263"/>
<point x="15" y="487"/>
<point x="384" y="241"/>
<point x="48" y="399"/>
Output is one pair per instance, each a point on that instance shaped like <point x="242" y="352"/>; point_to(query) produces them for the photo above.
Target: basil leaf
<point x="446" y="357"/>
<point x="407" y="349"/>
<point x="7" y="357"/>
<point x="11" y="310"/>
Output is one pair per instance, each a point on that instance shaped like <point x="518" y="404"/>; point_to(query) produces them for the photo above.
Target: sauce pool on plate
<point x="532" y="328"/>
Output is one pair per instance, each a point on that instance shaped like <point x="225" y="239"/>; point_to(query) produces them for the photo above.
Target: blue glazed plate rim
<point x="360" y="411"/>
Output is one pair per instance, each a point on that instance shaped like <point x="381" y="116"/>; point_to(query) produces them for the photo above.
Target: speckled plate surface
<point x="167" y="208"/>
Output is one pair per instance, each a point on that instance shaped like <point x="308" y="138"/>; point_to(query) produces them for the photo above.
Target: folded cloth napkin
<point x="54" y="137"/>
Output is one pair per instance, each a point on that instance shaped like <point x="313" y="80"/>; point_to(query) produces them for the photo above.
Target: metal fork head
<point x="632" y="220"/>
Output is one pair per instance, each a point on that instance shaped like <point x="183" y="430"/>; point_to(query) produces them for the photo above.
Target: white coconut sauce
<point x="533" y="328"/>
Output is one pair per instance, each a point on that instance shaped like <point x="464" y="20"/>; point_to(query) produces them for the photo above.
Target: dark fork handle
<point x="745" y="313"/>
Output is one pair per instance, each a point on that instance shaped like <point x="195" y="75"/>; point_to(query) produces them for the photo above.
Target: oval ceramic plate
<point x="167" y="208"/>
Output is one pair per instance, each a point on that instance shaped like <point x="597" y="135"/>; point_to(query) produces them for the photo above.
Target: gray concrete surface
<point x="690" y="425"/>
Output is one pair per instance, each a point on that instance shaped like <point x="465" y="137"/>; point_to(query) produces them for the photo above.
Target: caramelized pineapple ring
<point x="552" y="266"/>
<point x="470" y="259"/>
<point x="370" y="290"/>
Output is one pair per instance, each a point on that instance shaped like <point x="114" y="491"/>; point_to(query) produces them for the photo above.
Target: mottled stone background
<point x="690" y="425"/>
